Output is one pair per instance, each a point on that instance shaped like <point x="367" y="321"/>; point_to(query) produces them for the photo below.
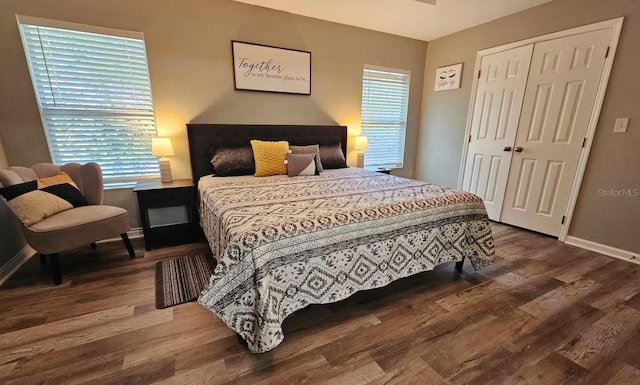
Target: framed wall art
<point x="449" y="77"/>
<point x="265" y="68"/>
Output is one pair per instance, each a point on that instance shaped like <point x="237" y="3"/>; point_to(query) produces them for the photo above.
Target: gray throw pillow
<point x="233" y="161"/>
<point x="302" y="165"/>
<point x="311" y="149"/>
<point x="332" y="156"/>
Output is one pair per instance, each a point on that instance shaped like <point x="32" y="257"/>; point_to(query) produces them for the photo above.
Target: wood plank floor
<point x="545" y="313"/>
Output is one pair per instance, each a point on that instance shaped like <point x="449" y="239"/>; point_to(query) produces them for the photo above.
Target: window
<point x="385" y="100"/>
<point x="94" y="94"/>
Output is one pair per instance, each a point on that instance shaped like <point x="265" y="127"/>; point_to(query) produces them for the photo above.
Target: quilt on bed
<point x="285" y="243"/>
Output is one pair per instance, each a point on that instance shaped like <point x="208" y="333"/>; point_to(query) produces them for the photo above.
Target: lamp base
<point x="165" y="171"/>
<point x="360" y="160"/>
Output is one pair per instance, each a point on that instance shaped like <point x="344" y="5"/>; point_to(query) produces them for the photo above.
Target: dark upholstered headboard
<point x="205" y="138"/>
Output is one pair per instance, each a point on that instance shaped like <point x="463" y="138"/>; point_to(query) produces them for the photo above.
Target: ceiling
<point x="410" y="18"/>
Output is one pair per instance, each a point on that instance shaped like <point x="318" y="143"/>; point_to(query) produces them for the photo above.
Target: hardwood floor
<point x="545" y="313"/>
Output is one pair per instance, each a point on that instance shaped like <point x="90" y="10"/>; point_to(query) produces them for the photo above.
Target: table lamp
<point x="362" y="143"/>
<point x="162" y="147"/>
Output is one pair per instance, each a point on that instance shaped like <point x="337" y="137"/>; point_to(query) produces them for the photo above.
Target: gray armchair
<point x="76" y="227"/>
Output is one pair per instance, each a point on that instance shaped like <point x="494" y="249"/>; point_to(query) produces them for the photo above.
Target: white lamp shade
<point x="362" y="143"/>
<point x="161" y="147"/>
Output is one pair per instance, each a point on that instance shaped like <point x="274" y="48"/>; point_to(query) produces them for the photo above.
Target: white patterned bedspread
<point x="284" y="243"/>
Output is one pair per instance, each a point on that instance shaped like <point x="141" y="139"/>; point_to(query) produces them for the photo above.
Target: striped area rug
<point x="181" y="279"/>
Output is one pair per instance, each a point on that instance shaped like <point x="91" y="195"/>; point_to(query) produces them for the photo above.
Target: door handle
<point x="518" y="149"/>
<point x="507" y="149"/>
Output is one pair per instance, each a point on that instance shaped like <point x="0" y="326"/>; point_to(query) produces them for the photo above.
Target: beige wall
<point x="615" y="159"/>
<point x="3" y="156"/>
<point x="189" y="51"/>
<point x="11" y="241"/>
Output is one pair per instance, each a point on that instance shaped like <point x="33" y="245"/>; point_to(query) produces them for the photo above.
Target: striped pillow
<point x="311" y="149"/>
<point x="39" y="199"/>
<point x="302" y="165"/>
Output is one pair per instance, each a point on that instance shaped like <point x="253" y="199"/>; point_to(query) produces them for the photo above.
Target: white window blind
<point x="385" y="99"/>
<point x="94" y="94"/>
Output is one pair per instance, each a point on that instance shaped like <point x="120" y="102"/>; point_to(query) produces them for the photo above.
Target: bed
<point x="285" y="243"/>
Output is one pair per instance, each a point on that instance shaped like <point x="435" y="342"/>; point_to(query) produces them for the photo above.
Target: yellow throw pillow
<point x="270" y="157"/>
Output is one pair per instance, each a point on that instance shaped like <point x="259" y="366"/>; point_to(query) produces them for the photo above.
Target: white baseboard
<point x="14" y="263"/>
<point x="604" y="249"/>
<point x="133" y="234"/>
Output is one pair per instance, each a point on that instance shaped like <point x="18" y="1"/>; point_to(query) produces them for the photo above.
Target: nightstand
<point x="168" y="212"/>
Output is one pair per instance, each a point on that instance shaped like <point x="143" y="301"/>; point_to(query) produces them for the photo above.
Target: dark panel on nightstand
<point x="154" y="197"/>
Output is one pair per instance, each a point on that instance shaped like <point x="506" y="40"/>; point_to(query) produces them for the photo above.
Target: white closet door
<point x="498" y="103"/>
<point x="558" y="104"/>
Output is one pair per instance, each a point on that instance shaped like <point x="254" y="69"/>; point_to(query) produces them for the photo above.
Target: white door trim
<point x="616" y="26"/>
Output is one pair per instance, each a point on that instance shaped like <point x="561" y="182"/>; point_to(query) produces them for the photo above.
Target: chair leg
<point x="55" y="269"/>
<point x="127" y="244"/>
<point x="43" y="259"/>
<point x="93" y="245"/>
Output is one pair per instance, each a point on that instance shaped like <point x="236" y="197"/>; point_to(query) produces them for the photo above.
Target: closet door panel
<point x="496" y="113"/>
<point x="559" y="100"/>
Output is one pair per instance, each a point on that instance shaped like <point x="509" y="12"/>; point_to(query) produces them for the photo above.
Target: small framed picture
<point x="449" y="77"/>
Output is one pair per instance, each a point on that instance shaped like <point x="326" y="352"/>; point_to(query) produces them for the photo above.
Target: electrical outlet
<point x="621" y="125"/>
